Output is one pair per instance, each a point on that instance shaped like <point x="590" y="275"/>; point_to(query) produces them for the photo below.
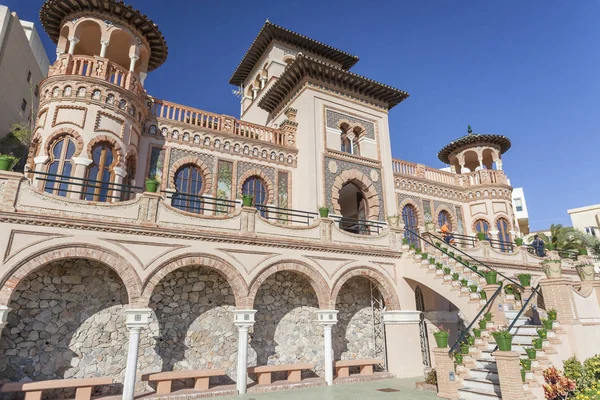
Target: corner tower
<point x="92" y="105"/>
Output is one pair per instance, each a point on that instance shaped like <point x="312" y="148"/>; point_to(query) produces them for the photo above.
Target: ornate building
<point x="94" y="265"/>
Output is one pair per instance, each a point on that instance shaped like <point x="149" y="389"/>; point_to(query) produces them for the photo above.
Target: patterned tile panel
<point x="333" y="119"/>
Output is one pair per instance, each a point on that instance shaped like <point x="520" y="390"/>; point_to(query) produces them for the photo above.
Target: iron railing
<point x="199" y="204"/>
<point x="359" y="226"/>
<point x="285" y="215"/>
<point x="570" y="254"/>
<point x="62" y="184"/>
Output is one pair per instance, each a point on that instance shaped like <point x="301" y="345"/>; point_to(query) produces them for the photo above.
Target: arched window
<point x="81" y="92"/>
<point x="482" y="226"/>
<point x="444" y="218"/>
<point x="100" y="173"/>
<point x="61" y="164"/>
<point x="122" y="104"/>
<point x="409" y="217"/>
<point x="110" y="99"/>
<point x="504" y="235"/>
<point x="349" y="142"/>
<point x="96" y="94"/>
<point x="67" y="91"/>
<point x="55" y="91"/>
<point x="188" y="181"/>
<point x="129" y="180"/>
<point x="255" y="187"/>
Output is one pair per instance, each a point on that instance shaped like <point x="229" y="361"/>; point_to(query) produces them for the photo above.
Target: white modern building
<point x="586" y="219"/>
<point x="520" y="210"/>
<point x="23" y="65"/>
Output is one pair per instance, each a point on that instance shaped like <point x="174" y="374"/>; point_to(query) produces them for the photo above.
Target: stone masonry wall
<point x="67" y="321"/>
<point x="353" y="334"/>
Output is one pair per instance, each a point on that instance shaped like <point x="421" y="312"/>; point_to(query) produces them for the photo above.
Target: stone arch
<point x="418" y="209"/>
<point x="480" y="218"/>
<point x="451" y="215"/>
<point x="500" y="216"/>
<point x="233" y="276"/>
<point x="114" y="144"/>
<point x="363" y="183"/>
<point x="206" y="173"/>
<point x="64" y="132"/>
<point x="32" y="263"/>
<point x="385" y="287"/>
<point x="261" y="174"/>
<point x="314" y="277"/>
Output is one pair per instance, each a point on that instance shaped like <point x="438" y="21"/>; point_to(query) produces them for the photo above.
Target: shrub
<point x="592" y="368"/>
<point x="431" y="377"/>
<point x="574" y="370"/>
<point x="557" y="386"/>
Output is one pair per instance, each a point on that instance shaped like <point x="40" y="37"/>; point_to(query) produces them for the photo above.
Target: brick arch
<point x="257" y="172"/>
<point x="363" y="183"/>
<point x="453" y="219"/>
<point x="479" y="218"/>
<point x="314" y="277"/>
<point x="383" y="284"/>
<point x="54" y="136"/>
<point x="114" y="144"/>
<point x="126" y="272"/>
<point x="418" y="209"/>
<point x="503" y="216"/>
<point x="231" y="274"/>
<point x="206" y="174"/>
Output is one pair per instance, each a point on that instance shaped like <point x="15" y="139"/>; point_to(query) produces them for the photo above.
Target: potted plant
<point x="585" y="271"/>
<point x="417" y="251"/>
<point x="473" y="288"/>
<point x="547" y="324"/>
<point x="503" y="339"/>
<point x="471" y="340"/>
<point x="393" y="220"/>
<point x="519" y="241"/>
<point x="523" y="375"/>
<point x="531" y="352"/>
<point x="482" y="324"/>
<point x="431" y="260"/>
<point x="247" y="200"/>
<point x="538" y="343"/>
<point x="424" y="256"/>
<point x="488" y="316"/>
<point x="323" y="211"/>
<point x="552" y="268"/>
<point x="552" y="314"/>
<point x="518" y="296"/>
<point x="477" y="332"/>
<point x="7" y="162"/>
<point x="483" y="295"/>
<point x="464" y="282"/>
<point x="583" y="251"/>
<point x="447" y="271"/>
<point x="542" y="333"/>
<point x="524" y="279"/>
<point x="451" y="254"/>
<point x="526" y="363"/>
<point x="439" y="266"/>
<point x="464" y="348"/>
<point x="508" y="289"/>
<point x="491" y="277"/>
<point x="481" y="236"/>
<point x="151" y="184"/>
<point x="458" y="358"/>
<point x="455" y="276"/>
<point x="441" y="337"/>
<point x="438" y="245"/>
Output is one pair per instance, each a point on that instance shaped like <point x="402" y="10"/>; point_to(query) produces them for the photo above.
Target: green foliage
<point x="502" y="334"/>
<point x="561" y="237"/>
<point x="473" y="288"/>
<point x="542" y="333"/>
<point x="591" y="242"/>
<point x="432" y="260"/>
<point x="574" y="370"/>
<point x="592" y="368"/>
<point x="424" y="256"/>
<point x="431" y="377"/>
<point x="586" y="376"/>
<point x="446" y="271"/>
<point x="455" y="276"/>
<point x="404" y="241"/>
<point x="464" y="282"/>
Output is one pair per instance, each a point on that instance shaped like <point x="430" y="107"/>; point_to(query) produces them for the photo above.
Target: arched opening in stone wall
<point x="471" y="160"/>
<point x="286" y="331"/>
<point x="193" y="307"/>
<point x="119" y="47"/>
<point x="89" y="34"/>
<point x="359" y="331"/>
<point x="488" y="158"/>
<point x="67" y="321"/>
<point x="354" y="209"/>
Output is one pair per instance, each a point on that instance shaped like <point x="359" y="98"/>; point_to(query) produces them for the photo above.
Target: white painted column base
<point x="136" y="320"/>
<point x="243" y="319"/>
<point x="328" y="318"/>
<point x="403" y="343"/>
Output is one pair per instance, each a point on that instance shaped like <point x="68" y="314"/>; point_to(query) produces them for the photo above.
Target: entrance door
<point x="423" y="327"/>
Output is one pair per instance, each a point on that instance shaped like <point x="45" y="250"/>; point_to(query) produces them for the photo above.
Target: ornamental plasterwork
<point x="460" y="194"/>
<point x="82" y="115"/>
<point x="177" y="154"/>
<point x="334" y="120"/>
<point x="374" y="175"/>
<point x="101" y="115"/>
<point x="332" y="166"/>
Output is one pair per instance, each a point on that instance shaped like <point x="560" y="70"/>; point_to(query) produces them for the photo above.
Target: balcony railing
<point x="223" y="123"/>
<point x="359" y="226"/>
<point x="200" y="204"/>
<point x="86" y="189"/>
<point x="286" y="216"/>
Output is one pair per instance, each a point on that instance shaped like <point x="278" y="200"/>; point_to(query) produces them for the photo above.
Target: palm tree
<point x="590" y="242"/>
<point x="562" y="238"/>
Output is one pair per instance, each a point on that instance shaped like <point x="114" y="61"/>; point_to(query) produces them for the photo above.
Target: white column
<point x="4" y="310"/>
<point x="104" y="44"/>
<point x="120" y="175"/>
<point x="72" y="42"/>
<point x="143" y="76"/>
<point x="328" y="318"/>
<point x="81" y="164"/>
<point x="59" y="53"/>
<point x="136" y="320"/>
<point x="40" y="162"/>
<point x="243" y="319"/>
<point x="132" y="59"/>
<point x="263" y="81"/>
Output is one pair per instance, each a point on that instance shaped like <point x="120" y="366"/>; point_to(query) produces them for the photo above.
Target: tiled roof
<point x="270" y="32"/>
<point x="474" y="139"/>
<point x="304" y="66"/>
<point x="55" y="12"/>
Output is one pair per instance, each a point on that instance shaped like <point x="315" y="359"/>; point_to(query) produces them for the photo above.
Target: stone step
<point x="484" y="374"/>
<point x="481" y="384"/>
<point x="474" y="394"/>
<point x="526" y="330"/>
<point x="488" y="364"/>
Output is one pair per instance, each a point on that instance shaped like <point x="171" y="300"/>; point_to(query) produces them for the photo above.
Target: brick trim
<point x="234" y="278"/>
<point x="419" y="210"/>
<point x="314" y="277"/>
<point x="206" y="173"/>
<point x="257" y="172"/>
<point x="363" y="183"/>
<point x="383" y="285"/>
<point x="104" y="138"/>
<point x="126" y="272"/>
<point x="54" y="136"/>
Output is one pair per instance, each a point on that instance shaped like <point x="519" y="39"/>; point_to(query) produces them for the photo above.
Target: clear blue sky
<point x="528" y="70"/>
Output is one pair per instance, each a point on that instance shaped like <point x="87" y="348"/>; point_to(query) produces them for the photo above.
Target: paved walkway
<point x="349" y="391"/>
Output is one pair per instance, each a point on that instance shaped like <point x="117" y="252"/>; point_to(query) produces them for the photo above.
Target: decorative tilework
<point x="157" y="159"/>
<point x="333" y="119"/>
<point x="345" y="166"/>
<point x="245" y="166"/>
<point x="177" y="154"/>
<point x="427" y="211"/>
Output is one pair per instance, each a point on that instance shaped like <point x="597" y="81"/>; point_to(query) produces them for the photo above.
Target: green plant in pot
<point x="447" y="271"/>
<point x="488" y="316"/>
<point x="441" y="337"/>
<point x="538" y="343"/>
<point x="483" y="295"/>
<point x="439" y="266"/>
<point x="491" y="277"/>
<point x="531" y="352"/>
<point x="542" y="333"/>
<point x="526" y="364"/>
<point x="464" y="282"/>
<point x="247" y="200"/>
<point x="552" y="268"/>
<point x="517" y="296"/>
<point x="404" y="240"/>
<point x="471" y="340"/>
<point x="438" y="244"/>
<point x="519" y="241"/>
<point x="473" y="288"/>
<point x="324" y="213"/>
<point x="431" y="260"/>
<point x="151" y="184"/>
<point x="524" y="279"/>
<point x="458" y="358"/>
<point x="552" y="314"/>
<point x="503" y="339"/>
<point x="410" y="246"/>
<point x="523" y="373"/>
<point x="477" y="332"/>
<point x="417" y="251"/>
<point x="508" y="289"/>
<point x="7" y="162"/>
<point x="464" y="348"/>
<point x="547" y="324"/>
<point x="482" y="324"/>
<point x="451" y="254"/>
<point x="455" y="276"/>
<point x="481" y="236"/>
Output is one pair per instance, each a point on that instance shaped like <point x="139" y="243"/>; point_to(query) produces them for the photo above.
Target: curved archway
<point x="385" y="287"/>
<point x="444" y="217"/>
<point x="504" y="236"/>
<point x="364" y="184"/>
<point x="411" y="225"/>
<point x="119" y="47"/>
<point x="89" y="33"/>
<point x="481" y="225"/>
<point x="353" y="208"/>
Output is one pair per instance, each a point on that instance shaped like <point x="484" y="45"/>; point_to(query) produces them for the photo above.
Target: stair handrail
<point x="476" y="260"/>
<point x="454" y="258"/>
<point x="484" y="308"/>
<point x="514" y="321"/>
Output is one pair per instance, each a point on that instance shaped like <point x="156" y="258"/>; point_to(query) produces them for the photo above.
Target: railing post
<point x="249" y="219"/>
<point x="326" y="228"/>
<point x="447" y="380"/>
<point x="11" y="189"/>
<point x="558" y="295"/>
<point x="495" y="307"/>
<point x="509" y="373"/>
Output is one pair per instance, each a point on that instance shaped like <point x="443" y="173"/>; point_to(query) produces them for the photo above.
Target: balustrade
<point x="404" y="167"/>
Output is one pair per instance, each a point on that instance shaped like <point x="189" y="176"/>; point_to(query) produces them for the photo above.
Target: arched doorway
<point x="409" y="217"/>
<point x="420" y="304"/>
<point x="354" y="209"/>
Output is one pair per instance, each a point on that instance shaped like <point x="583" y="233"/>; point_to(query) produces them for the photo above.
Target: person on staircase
<point x="447" y="234"/>
<point x="538" y="246"/>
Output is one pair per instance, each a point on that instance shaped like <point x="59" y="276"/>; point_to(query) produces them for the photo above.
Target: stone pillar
<point x="143" y="76"/>
<point x="498" y="316"/>
<point x="104" y="44"/>
<point x="254" y="93"/>
<point x="444" y="368"/>
<point x="4" y="310"/>
<point x="558" y="294"/>
<point x="263" y="81"/>
<point x="249" y="219"/>
<point x="120" y="175"/>
<point x="40" y="164"/>
<point x="326" y="229"/>
<point x="493" y="234"/>
<point x="243" y="319"/>
<point x="72" y="42"/>
<point x="81" y="164"/>
<point x="403" y="343"/>
<point x="59" y="53"/>
<point x="328" y="318"/>
<point x="136" y="320"/>
<point x="509" y="373"/>
<point x="132" y="60"/>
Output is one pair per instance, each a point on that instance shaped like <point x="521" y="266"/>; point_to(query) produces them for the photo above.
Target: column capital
<point x="40" y="159"/>
<point x="82" y="161"/>
<point x="4" y="310"/>
<point x="327" y="317"/>
<point x="73" y="39"/>
<point x="401" y="317"/>
<point x="243" y="318"/>
<point x="137" y="319"/>
<point x="120" y="171"/>
<point x="104" y="41"/>
<point x="134" y="57"/>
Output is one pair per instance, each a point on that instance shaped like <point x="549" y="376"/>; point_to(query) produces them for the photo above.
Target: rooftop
<point x="270" y="32"/>
<point x="474" y="139"/>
